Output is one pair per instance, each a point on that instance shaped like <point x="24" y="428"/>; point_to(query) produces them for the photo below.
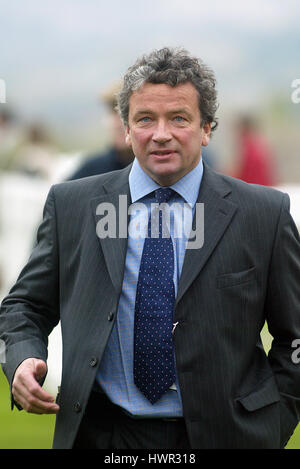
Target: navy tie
<point x="154" y="367"/>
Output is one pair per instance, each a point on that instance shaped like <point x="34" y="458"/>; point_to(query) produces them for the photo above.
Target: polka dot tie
<point x="154" y="367"/>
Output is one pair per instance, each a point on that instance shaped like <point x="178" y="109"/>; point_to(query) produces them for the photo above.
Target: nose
<point x="161" y="132"/>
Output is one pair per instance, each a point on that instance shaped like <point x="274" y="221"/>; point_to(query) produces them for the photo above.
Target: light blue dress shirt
<point x="115" y="374"/>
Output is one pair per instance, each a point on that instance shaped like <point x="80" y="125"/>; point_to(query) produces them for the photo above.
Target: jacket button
<point x="93" y="361"/>
<point x="77" y="407"/>
<point x="110" y="316"/>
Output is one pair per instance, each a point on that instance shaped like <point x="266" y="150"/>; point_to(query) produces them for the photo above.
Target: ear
<point x="127" y="136"/>
<point x="206" y="134"/>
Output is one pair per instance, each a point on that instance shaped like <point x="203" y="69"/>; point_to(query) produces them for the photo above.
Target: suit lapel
<point x="218" y="213"/>
<point x="116" y="198"/>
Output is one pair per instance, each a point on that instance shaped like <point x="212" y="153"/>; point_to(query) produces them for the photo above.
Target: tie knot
<point x="163" y="194"/>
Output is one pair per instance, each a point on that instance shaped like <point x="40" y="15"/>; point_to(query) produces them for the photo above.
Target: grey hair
<point x="171" y="67"/>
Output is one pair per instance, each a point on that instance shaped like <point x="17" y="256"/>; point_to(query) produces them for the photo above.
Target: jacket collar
<point x="218" y="213"/>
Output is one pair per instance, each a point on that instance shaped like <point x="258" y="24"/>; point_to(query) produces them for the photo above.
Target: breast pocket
<point x="236" y="278"/>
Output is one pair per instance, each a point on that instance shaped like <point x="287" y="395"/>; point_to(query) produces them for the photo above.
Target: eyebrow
<point x="181" y="110"/>
<point x="173" y="111"/>
<point x="143" y="111"/>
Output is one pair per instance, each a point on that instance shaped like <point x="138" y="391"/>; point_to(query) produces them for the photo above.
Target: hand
<point x="28" y="392"/>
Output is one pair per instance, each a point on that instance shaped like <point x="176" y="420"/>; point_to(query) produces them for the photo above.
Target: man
<point x="118" y="155"/>
<point x="161" y="341"/>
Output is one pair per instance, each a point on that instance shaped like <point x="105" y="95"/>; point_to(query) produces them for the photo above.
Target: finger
<point x="31" y="396"/>
<point x="31" y="390"/>
<point x="36" y="390"/>
<point x="28" y="380"/>
<point x="32" y="404"/>
<point x="40" y="369"/>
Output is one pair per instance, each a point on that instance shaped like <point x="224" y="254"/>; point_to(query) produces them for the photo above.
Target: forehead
<point x="151" y="95"/>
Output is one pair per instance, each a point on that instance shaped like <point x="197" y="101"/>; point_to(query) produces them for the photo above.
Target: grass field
<point x="19" y="430"/>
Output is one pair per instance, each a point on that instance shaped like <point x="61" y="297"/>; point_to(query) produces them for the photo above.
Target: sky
<point x="57" y="56"/>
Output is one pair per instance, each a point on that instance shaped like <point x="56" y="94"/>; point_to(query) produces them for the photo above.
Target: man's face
<point x="164" y="130"/>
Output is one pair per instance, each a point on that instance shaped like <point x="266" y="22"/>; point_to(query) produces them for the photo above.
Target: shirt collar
<point x="187" y="187"/>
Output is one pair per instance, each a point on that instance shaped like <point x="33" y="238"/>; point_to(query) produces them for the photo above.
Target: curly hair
<point x="172" y="67"/>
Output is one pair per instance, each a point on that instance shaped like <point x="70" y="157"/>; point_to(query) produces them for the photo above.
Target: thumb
<point x="40" y="369"/>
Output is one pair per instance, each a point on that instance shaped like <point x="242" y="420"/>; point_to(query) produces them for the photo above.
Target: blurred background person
<point x="11" y="135"/>
<point x="36" y="157"/>
<point x="254" y="160"/>
<point x="118" y="155"/>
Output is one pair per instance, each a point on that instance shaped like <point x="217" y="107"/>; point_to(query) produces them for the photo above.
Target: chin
<point x="165" y="177"/>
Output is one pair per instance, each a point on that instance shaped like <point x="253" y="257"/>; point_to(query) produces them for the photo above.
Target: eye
<point x="179" y="119"/>
<point x="144" y="119"/>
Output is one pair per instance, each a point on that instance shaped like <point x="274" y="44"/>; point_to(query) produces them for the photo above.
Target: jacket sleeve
<point x="31" y="309"/>
<point x="283" y="317"/>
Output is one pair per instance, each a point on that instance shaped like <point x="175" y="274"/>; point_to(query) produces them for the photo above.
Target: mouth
<point x="162" y="153"/>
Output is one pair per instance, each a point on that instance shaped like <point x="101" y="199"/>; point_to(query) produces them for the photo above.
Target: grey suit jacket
<point x="246" y="273"/>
